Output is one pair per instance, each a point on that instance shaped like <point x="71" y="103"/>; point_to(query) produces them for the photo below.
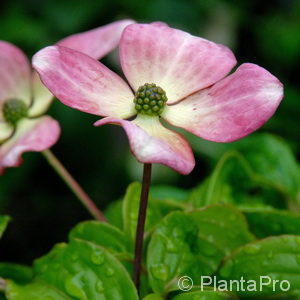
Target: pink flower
<point x="189" y="91"/>
<point x="24" y="100"/>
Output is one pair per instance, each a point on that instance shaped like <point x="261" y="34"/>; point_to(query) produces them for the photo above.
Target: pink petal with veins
<point x="150" y="142"/>
<point x="32" y="135"/>
<point x="83" y="83"/>
<point x="97" y="42"/>
<point x="232" y="108"/>
<point x="178" y="62"/>
<point x="15" y="74"/>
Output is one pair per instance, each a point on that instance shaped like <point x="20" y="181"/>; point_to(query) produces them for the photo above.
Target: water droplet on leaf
<point x="110" y="272"/>
<point x="73" y="287"/>
<point x="99" y="286"/>
<point x="178" y="233"/>
<point x="252" y="249"/>
<point x="160" y="272"/>
<point x="97" y="257"/>
<point x="171" y="247"/>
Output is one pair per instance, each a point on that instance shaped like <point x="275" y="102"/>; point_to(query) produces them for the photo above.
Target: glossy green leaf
<point x="272" y="160"/>
<point x="101" y="234"/>
<point x="194" y="244"/>
<point x="277" y="258"/>
<point x="221" y="229"/>
<point x="131" y="205"/>
<point x="78" y="270"/>
<point x="170" y="251"/>
<point x="36" y="290"/>
<point x="84" y="270"/>
<point x="169" y="198"/>
<point x="234" y="181"/>
<point x="169" y="193"/>
<point x="18" y="273"/>
<point x="113" y="214"/>
<point x="203" y="295"/>
<point x="267" y="222"/>
<point x="3" y="224"/>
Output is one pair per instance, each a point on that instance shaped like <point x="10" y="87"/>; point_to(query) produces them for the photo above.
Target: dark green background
<point x="43" y="209"/>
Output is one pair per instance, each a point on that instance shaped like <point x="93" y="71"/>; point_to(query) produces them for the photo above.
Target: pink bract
<point x="18" y="81"/>
<point x="192" y="71"/>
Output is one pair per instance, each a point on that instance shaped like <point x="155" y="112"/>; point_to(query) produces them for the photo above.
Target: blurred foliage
<point x="262" y="32"/>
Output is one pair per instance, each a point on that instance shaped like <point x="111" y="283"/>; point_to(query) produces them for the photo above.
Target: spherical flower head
<point x="190" y="77"/>
<point x="14" y="110"/>
<point x="150" y="100"/>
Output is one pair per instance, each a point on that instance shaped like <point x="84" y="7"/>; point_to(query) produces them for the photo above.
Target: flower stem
<point x="141" y="226"/>
<point x="74" y="186"/>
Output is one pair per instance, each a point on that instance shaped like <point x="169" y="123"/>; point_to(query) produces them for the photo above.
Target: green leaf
<point x="275" y="257"/>
<point x="80" y="270"/>
<point x="169" y="198"/>
<point x="84" y="270"/>
<point x="113" y="214"/>
<point x="267" y="222"/>
<point x="193" y="244"/>
<point x="3" y="224"/>
<point x="18" y="273"/>
<point x="234" y="181"/>
<point x="272" y="160"/>
<point x="36" y="290"/>
<point x="199" y="295"/>
<point x="221" y="229"/>
<point x="101" y="234"/>
<point x="131" y="205"/>
<point x="170" y="252"/>
<point x="169" y="193"/>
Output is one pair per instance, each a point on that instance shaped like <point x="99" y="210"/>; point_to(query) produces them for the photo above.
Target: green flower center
<point x="150" y="100"/>
<point x="14" y="110"/>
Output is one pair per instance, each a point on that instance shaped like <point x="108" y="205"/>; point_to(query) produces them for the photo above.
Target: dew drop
<point x="97" y="257"/>
<point x="252" y="249"/>
<point x="171" y="247"/>
<point x="160" y="272"/>
<point x="99" y="286"/>
<point x="210" y="238"/>
<point x="73" y="287"/>
<point x="133" y="216"/>
<point x="178" y="233"/>
<point x="110" y="272"/>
